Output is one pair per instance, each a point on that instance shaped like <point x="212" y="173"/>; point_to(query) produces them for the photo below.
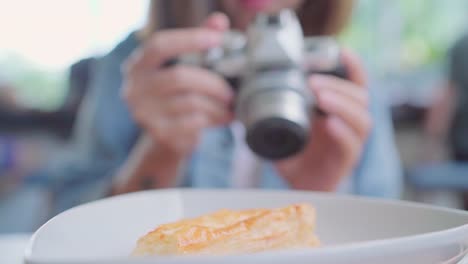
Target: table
<point x="12" y="248"/>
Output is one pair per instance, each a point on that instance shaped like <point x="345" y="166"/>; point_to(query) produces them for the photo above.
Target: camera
<point x="268" y="67"/>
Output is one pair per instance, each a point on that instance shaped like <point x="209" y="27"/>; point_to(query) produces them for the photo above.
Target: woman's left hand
<point x="337" y="138"/>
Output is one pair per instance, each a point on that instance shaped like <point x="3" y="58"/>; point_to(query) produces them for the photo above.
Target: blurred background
<point x="48" y="47"/>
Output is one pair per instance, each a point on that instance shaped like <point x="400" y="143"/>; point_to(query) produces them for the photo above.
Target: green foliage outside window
<point x="34" y="87"/>
<point x="423" y="30"/>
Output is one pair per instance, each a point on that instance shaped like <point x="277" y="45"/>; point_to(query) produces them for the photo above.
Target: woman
<point x="447" y="120"/>
<point x="187" y="136"/>
<point x="184" y="134"/>
<point x="174" y="129"/>
<point x="458" y="85"/>
<point x="448" y="117"/>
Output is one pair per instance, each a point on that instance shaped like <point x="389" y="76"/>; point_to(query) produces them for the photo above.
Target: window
<point x="41" y="39"/>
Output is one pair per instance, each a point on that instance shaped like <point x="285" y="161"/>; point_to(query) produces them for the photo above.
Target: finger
<point x="354" y="115"/>
<point x="354" y="67"/>
<point x="181" y="105"/>
<point x="172" y="43"/>
<point x="188" y="79"/>
<point x="184" y="131"/>
<point x="217" y="21"/>
<point x="319" y="83"/>
<point x="174" y="133"/>
<point x="349" y="143"/>
<point x="191" y="123"/>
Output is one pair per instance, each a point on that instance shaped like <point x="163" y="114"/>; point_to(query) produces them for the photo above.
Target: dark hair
<point x="318" y="17"/>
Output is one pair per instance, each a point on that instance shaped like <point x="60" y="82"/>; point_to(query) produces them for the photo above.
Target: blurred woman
<point x="188" y="137"/>
<point x="448" y="117"/>
<point x="447" y="120"/>
<point x="173" y="127"/>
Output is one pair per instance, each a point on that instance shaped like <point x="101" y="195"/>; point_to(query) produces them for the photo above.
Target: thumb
<point x="217" y="21"/>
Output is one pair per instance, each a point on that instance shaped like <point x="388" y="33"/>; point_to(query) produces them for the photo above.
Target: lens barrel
<point x="276" y="115"/>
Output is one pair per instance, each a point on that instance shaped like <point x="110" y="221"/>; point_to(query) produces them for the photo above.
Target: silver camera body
<point x="268" y="66"/>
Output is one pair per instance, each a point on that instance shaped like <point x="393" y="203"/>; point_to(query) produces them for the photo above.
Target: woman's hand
<point x="174" y="104"/>
<point x="336" y="139"/>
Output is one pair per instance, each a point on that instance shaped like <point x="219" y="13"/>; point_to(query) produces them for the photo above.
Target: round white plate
<point x="352" y="230"/>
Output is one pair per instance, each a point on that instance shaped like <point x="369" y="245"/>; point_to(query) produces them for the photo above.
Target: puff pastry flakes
<point x="233" y="232"/>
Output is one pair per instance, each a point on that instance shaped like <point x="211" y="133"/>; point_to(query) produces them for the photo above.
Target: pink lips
<point x="255" y="5"/>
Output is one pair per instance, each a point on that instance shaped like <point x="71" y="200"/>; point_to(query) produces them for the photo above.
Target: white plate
<point x="353" y="230"/>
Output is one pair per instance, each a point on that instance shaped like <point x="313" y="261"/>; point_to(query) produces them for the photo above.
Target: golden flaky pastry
<point x="233" y="232"/>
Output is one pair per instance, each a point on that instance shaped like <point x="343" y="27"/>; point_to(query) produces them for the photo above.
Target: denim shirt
<point x="106" y="134"/>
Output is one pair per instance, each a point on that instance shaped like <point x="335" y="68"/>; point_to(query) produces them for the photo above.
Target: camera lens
<point x="276" y="138"/>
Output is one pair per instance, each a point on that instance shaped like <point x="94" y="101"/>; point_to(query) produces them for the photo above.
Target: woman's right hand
<point x="174" y="104"/>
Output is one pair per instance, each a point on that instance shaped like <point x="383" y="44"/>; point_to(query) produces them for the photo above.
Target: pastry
<point x="233" y="232"/>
